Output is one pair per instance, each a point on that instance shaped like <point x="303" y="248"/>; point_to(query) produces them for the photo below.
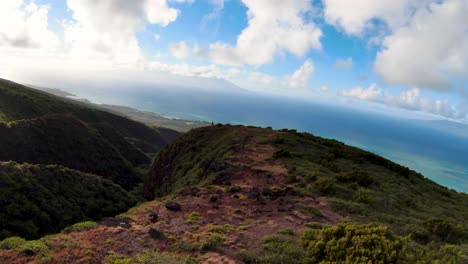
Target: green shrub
<point x="212" y="242"/>
<point x="325" y="186"/>
<point x="35" y="248"/>
<point x="248" y="257"/>
<point x="279" y="248"/>
<point x="353" y="244"/>
<point x="357" y="176"/>
<point x="445" y="230"/>
<point x="193" y="218"/>
<point x="12" y="243"/>
<point x="82" y="226"/>
<point x="361" y="195"/>
<point x="222" y="229"/>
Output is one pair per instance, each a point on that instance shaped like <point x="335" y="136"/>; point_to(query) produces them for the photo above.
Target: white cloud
<point x="410" y="99"/>
<point x="344" y="64"/>
<point x="213" y="18"/>
<point x="355" y="17"/>
<point x="180" y="50"/>
<point x="273" y="26"/>
<point x="105" y="29"/>
<point x="431" y="50"/>
<point x="371" y="93"/>
<point x="208" y="71"/>
<point x="300" y="78"/>
<point x="157" y="12"/>
<point x="25" y="25"/>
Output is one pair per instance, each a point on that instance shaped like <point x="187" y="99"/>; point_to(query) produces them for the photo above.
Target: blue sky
<point x="405" y="54"/>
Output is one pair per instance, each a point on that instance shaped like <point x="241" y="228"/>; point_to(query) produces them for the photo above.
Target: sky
<point x="409" y="55"/>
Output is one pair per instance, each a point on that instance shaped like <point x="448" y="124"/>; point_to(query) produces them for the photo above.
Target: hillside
<point x="42" y="128"/>
<point x="234" y="194"/>
<point x="36" y="199"/>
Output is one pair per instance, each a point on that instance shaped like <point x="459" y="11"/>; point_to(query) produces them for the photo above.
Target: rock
<point x="115" y="222"/>
<point x="156" y="234"/>
<point x="173" y="206"/>
<point x="153" y="217"/>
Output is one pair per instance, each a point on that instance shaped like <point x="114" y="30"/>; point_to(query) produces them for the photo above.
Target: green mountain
<point x="39" y="199"/>
<point x="46" y="129"/>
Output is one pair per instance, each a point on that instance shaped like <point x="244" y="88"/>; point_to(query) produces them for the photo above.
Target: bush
<point x="82" y="226"/>
<point x="34" y="248"/>
<point x="12" y="243"/>
<point x="353" y="244"/>
<point x="193" y="218"/>
<point x="357" y="176"/>
<point x="212" y="242"/>
<point x="362" y="196"/>
<point x="222" y="229"/>
<point x="445" y="231"/>
<point x="325" y="186"/>
<point x="279" y="248"/>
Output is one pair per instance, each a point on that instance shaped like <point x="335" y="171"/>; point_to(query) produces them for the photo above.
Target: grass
<point x="193" y="218"/>
<point x="79" y="227"/>
<point x="212" y="242"/>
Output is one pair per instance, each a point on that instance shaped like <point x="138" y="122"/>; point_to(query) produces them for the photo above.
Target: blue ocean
<point x="439" y="154"/>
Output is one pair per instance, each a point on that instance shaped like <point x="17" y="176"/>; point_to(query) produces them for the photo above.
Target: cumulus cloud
<point x="273" y="26"/>
<point x="410" y="99"/>
<point x="344" y="64"/>
<point x="431" y="50"/>
<point x="371" y="93"/>
<point x="300" y="78"/>
<point x="106" y="29"/>
<point x="424" y="42"/>
<point x="25" y="25"/>
<point x="355" y="17"/>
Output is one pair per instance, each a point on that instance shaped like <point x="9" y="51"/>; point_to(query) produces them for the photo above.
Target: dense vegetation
<point x="349" y="243"/>
<point x="412" y="210"/>
<point x="45" y="129"/>
<point x="40" y="128"/>
<point x="39" y="199"/>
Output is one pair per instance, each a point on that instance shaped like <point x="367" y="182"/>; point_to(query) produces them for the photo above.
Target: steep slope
<point x="38" y="199"/>
<point x="65" y="140"/>
<point x="42" y="128"/>
<point x="233" y="194"/>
